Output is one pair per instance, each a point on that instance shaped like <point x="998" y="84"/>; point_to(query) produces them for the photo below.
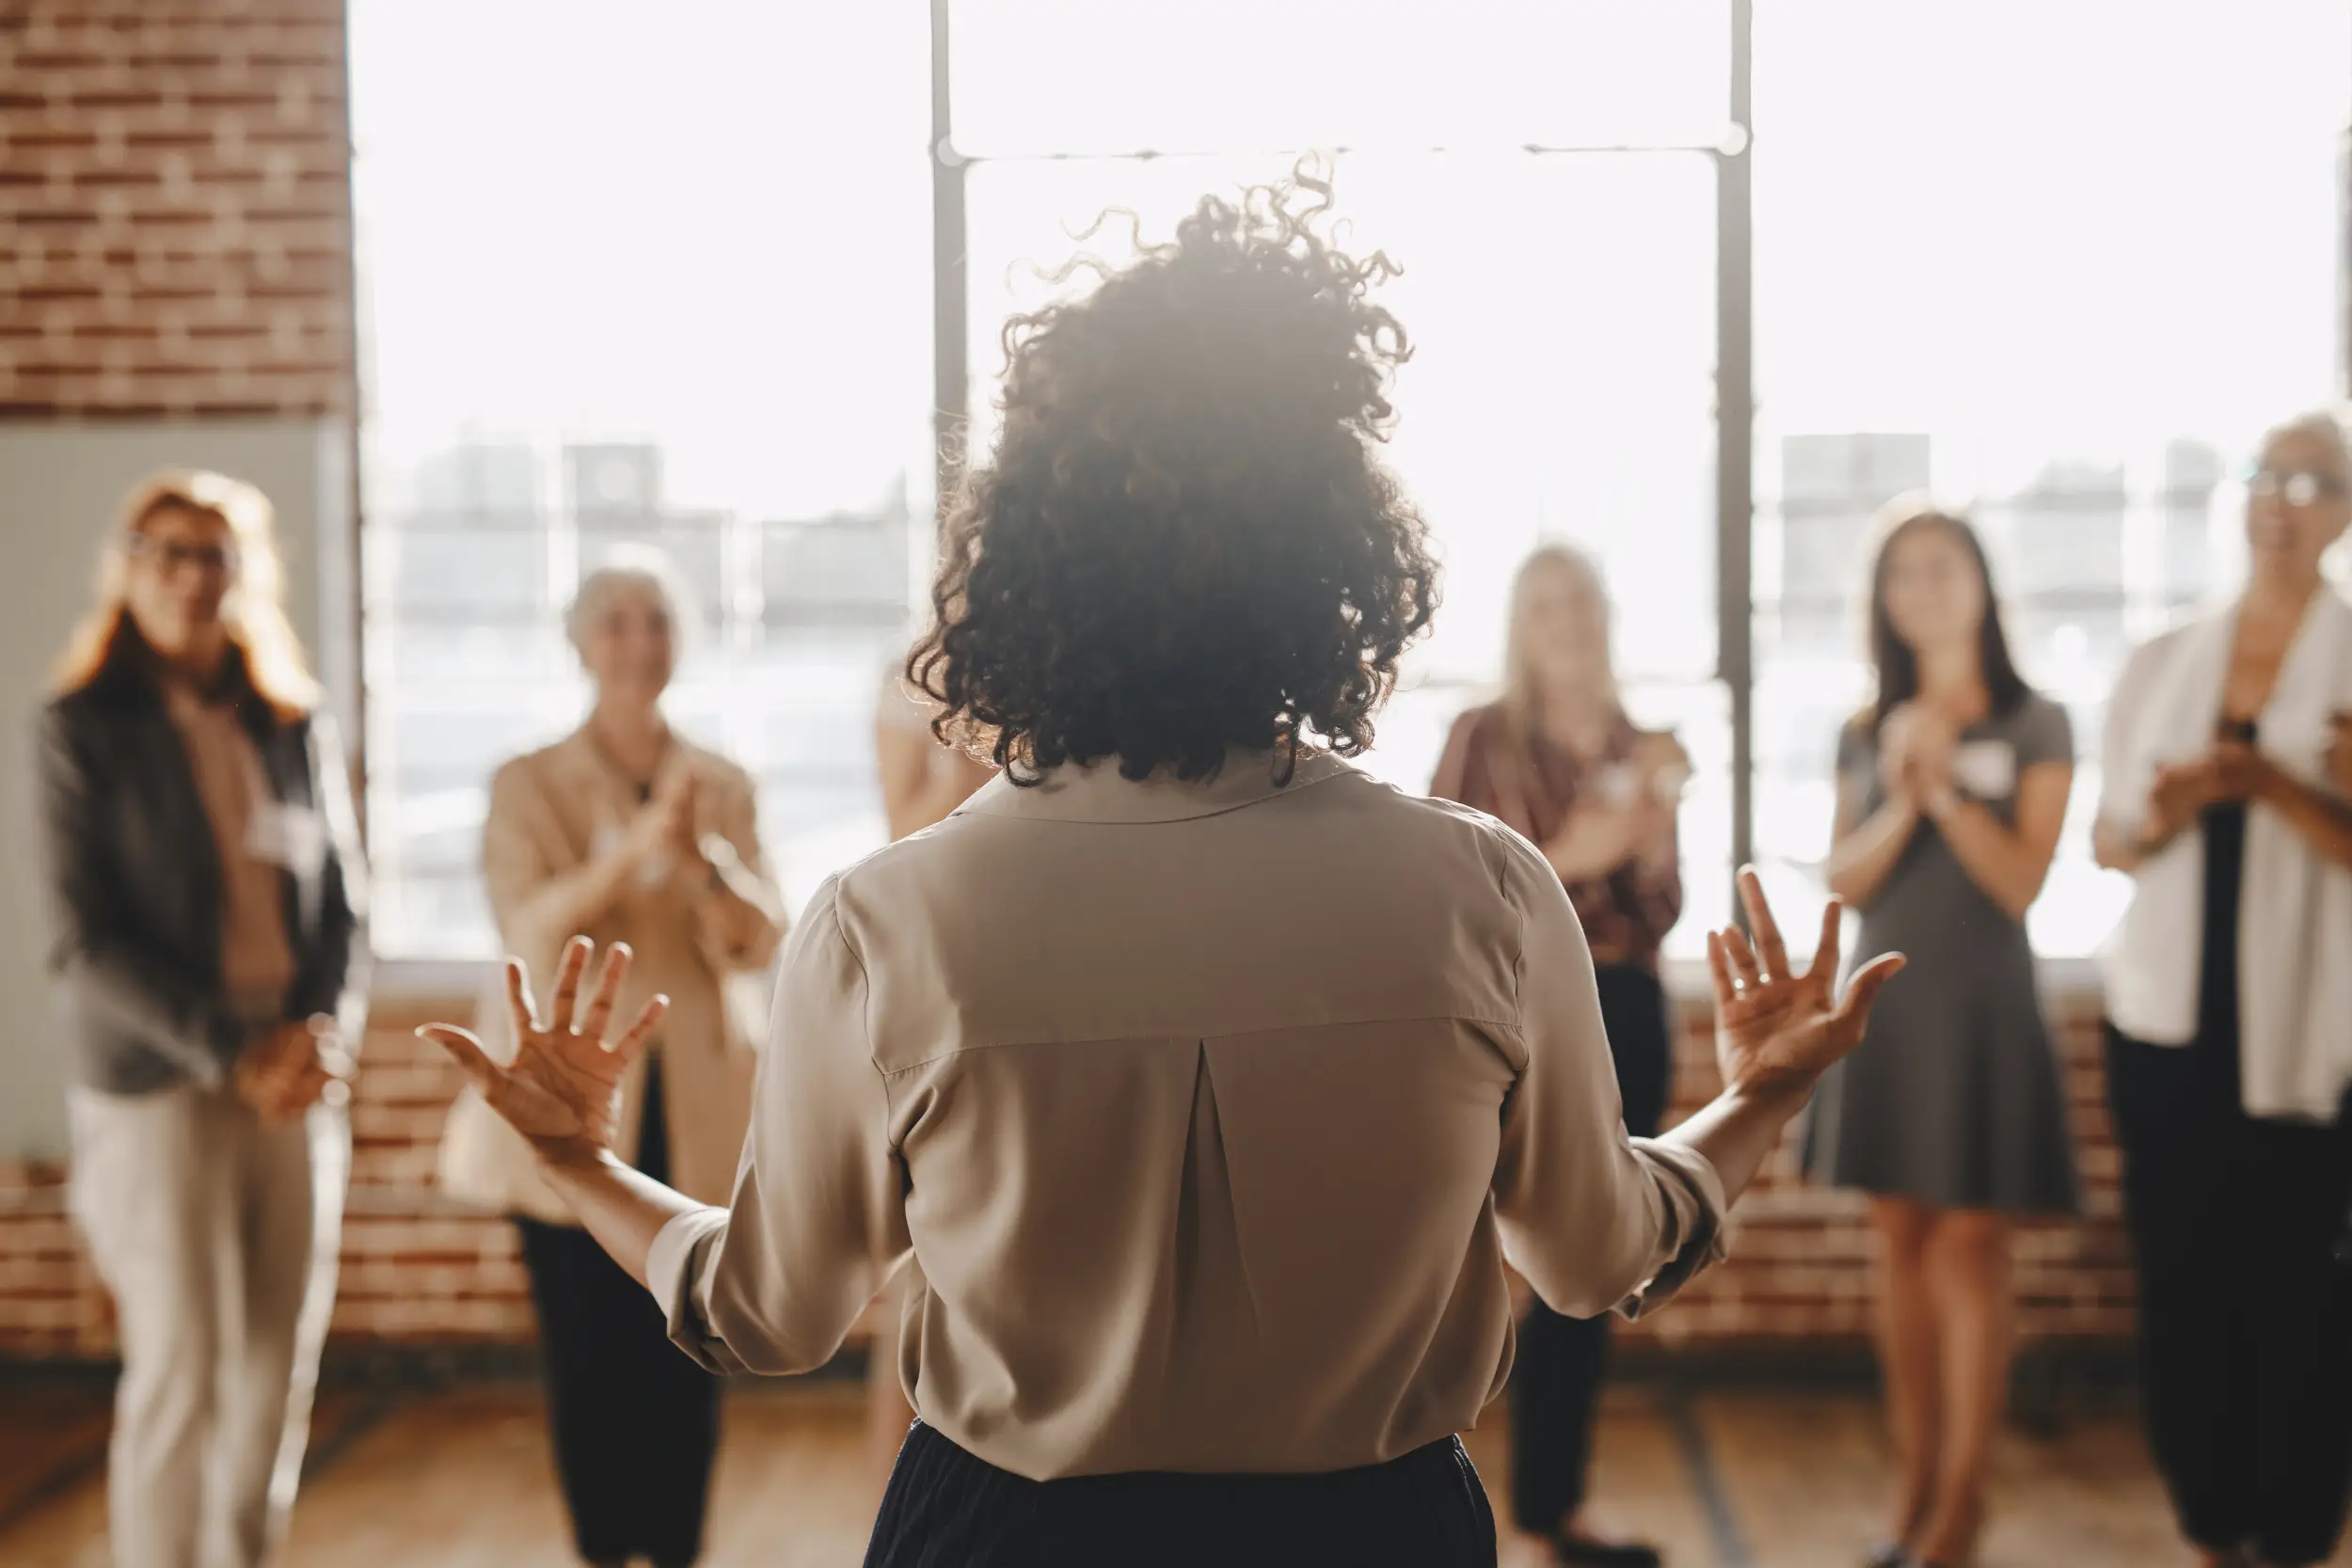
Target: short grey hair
<point x="2323" y="424"/>
<point x="626" y="566"/>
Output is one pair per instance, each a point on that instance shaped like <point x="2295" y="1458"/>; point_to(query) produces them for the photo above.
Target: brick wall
<point x="1799" y="1259"/>
<point x="175" y="208"/>
<point x="415" y="1270"/>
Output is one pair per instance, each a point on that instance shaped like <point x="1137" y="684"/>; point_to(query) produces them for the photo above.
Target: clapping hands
<point x="1916" y="747"/>
<point x="664" y="825"/>
<point x="2232" y="770"/>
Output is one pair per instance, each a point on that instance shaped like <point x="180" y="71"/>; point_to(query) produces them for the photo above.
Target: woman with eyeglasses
<point x="1951" y="794"/>
<point x="1558" y="761"/>
<point x="2229" y="1035"/>
<point x="206" y="895"/>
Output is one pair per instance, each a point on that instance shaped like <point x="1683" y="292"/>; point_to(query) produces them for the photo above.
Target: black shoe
<point x="1887" y="1555"/>
<point x="1583" y="1551"/>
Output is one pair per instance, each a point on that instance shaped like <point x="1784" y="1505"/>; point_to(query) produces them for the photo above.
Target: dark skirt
<point x="1954" y="1098"/>
<point x="948" y="1509"/>
<point x="635" y="1421"/>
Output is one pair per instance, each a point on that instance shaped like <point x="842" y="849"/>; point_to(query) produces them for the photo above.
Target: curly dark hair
<point x="1186" y="540"/>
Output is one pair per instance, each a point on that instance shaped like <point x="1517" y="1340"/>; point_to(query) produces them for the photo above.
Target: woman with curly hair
<point x="1202" y="1083"/>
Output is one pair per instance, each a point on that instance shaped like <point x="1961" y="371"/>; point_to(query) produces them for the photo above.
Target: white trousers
<point x="217" y="1236"/>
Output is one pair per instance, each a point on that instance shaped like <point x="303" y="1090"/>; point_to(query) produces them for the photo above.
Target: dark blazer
<point x="133" y="879"/>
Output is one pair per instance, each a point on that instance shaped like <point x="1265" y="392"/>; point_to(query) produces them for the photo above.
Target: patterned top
<point x="1627" y="911"/>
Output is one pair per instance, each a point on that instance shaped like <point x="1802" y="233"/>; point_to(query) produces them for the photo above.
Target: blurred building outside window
<point x="620" y="282"/>
<point x="2061" y="266"/>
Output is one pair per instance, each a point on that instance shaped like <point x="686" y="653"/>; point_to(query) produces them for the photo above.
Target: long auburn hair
<point x="1519" y="662"/>
<point x="1896" y="661"/>
<point x="254" y="610"/>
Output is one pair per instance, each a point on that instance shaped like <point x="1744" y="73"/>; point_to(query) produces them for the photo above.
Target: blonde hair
<point x="1519" y="664"/>
<point x="254" y="610"/>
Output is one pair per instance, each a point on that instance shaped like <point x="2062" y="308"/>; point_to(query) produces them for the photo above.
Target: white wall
<point x="59" y="486"/>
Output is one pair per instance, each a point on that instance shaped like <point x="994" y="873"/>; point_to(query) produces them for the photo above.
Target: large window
<point x="634" y="275"/>
<point x="673" y="275"/>
<point x="1558" y="287"/>
<point x="2058" y="264"/>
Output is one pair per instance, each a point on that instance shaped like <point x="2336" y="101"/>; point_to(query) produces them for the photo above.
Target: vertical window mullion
<point x="1735" y="434"/>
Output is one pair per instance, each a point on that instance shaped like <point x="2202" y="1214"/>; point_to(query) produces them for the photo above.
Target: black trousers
<point x="2245" y="1312"/>
<point x="1555" y="1381"/>
<point x="948" y="1509"/>
<point x="635" y="1421"/>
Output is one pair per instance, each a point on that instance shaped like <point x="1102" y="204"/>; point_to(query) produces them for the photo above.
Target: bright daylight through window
<point x="633" y="282"/>
<point x="2066" y="280"/>
<point x="580" y="331"/>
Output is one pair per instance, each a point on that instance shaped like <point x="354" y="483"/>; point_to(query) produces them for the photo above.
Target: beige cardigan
<point x="551" y="814"/>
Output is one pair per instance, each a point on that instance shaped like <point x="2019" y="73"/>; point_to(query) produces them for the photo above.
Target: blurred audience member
<point x="2229" y="994"/>
<point x="922" y="781"/>
<point x="1952" y="793"/>
<point x="626" y="832"/>
<point x="208" y="900"/>
<point x="1198" y="1079"/>
<point x="1558" y="760"/>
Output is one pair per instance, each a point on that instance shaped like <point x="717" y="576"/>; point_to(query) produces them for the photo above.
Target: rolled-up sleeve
<point x="772" y="1283"/>
<point x="1593" y="1219"/>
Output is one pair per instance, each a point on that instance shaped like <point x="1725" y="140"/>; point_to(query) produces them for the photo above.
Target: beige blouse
<point x="554" y="810"/>
<point x="257" y="962"/>
<point x="1206" y="1115"/>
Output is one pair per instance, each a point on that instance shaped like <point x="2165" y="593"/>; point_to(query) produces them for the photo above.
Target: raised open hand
<point x="1776" y="1032"/>
<point x="559" y="1090"/>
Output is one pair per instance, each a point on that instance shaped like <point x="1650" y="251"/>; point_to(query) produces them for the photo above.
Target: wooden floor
<point x="460" y="1479"/>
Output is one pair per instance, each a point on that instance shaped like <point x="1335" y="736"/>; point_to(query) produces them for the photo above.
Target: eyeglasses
<point x="2295" y="487"/>
<point x="170" y="555"/>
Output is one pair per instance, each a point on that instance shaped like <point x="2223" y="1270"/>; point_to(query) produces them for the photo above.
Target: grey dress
<point x="1953" y="1097"/>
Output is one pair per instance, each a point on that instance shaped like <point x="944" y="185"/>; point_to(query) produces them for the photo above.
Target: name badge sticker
<point x="290" y="837"/>
<point x="1986" y="769"/>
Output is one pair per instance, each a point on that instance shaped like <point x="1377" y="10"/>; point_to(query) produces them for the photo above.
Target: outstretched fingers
<point x="1767" y="929"/>
<point x="648" y="1019"/>
<point x="1742" y="957"/>
<point x="607" y="989"/>
<point x="1719" y="968"/>
<point x="519" y="1005"/>
<point x="1826" y="951"/>
<point x="461" y="1044"/>
<point x="1864" y="987"/>
<point x="563" y="1013"/>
